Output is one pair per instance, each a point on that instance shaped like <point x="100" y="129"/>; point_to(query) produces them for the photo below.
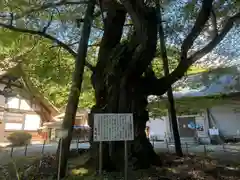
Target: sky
<point x="225" y="53"/>
<point x="176" y="26"/>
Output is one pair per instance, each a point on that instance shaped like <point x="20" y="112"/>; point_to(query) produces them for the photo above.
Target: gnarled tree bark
<point x="118" y="77"/>
<point x="117" y="81"/>
<point x="122" y="80"/>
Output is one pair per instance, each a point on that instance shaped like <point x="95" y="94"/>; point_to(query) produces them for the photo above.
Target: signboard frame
<point x="114" y="132"/>
<point x="106" y="127"/>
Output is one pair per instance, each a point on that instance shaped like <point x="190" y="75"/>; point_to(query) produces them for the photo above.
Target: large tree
<point x="123" y="77"/>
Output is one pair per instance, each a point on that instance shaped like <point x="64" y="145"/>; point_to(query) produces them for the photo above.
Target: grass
<point x="14" y="168"/>
<point x="175" y="168"/>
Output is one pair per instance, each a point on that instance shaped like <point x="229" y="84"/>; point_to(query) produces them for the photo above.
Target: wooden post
<point x="171" y="101"/>
<point x="125" y="160"/>
<point x="153" y="141"/>
<point x="110" y="148"/>
<point x="11" y="153"/>
<point x="44" y="142"/>
<point x="167" y="146"/>
<point x="59" y="160"/>
<point x="25" y="151"/>
<point x="205" y="150"/>
<point x="100" y="158"/>
<point x="186" y="148"/>
<point x="77" y="143"/>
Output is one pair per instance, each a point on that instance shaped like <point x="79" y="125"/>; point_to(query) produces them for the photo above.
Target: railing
<point x="224" y="151"/>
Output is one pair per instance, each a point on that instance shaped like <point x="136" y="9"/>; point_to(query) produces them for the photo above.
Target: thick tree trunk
<point x="121" y="76"/>
<point x="118" y="82"/>
<point x="141" y="152"/>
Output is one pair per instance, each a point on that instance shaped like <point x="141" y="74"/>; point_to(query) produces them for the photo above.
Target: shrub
<point x="19" y="138"/>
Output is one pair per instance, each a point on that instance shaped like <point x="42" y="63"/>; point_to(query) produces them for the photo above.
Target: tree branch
<point x="113" y="30"/>
<point x="201" y="20"/>
<point x="144" y="47"/>
<point x="112" y="34"/>
<point x="214" y="23"/>
<point x="14" y="61"/>
<point x="48" y="24"/>
<point x="210" y="46"/>
<point x="50" y="5"/>
<point x="136" y="12"/>
<point x="47" y="36"/>
<point x="160" y="86"/>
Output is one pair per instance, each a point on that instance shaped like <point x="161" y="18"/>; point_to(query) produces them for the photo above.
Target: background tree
<point x="47" y="66"/>
<point x="122" y="77"/>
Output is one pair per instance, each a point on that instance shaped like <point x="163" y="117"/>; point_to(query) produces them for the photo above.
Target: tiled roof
<point x="214" y="82"/>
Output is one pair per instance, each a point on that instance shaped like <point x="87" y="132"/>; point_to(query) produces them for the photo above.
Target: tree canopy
<point x="49" y="67"/>
<point x="123" y="55"/>
<point x="46" y="34"/>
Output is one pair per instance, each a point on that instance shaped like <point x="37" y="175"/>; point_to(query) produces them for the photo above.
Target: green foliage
<point x="49" y="67"/>
<point x="19" y="138"/>
<point x="52" y="75"/>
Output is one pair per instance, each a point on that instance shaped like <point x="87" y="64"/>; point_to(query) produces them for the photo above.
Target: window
<point x="13" y="117"/>
<point x="13" y="126"/>
<point x="32" y="122"/>
<point x="13" y="103"/>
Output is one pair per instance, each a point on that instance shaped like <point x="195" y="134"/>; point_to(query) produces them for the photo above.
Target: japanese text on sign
<point x="113" y="127"/>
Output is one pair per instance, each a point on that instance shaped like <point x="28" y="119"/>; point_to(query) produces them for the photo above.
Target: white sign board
<point x="214" y="132"/>
<point x="113" y="127"/>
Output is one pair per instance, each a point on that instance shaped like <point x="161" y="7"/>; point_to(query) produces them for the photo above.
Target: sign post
<point x="59" y="159"/>
<point x="100" y="158"/>
<point x="62" y="134"/>
<point x="113" y="127"/>
<point x="125" y="160"/>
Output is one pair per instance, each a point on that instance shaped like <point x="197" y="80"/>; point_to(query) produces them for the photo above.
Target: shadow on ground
<point x="198" y="167"/>
<point x="175" y="168"/>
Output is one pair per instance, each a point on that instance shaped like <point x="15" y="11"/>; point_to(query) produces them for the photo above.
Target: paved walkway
<point x="34" y="150"/>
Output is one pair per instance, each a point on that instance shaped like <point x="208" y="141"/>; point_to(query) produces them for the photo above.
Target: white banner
<point x="113" y="127"/>
<point x="213" y="132"/>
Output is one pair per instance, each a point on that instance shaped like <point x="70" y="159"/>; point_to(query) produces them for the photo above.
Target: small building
<point x="22" y="106"/>
<point x="206" y="102"/>
<point x="81" y="128"/>
<point x="156" y="129"/>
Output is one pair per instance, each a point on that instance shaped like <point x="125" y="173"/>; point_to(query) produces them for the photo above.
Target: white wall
<point x="227" y="119"/>
<point x="157" y="127"/>
<point x="17" y="121"/>
<point x="32" y="122"/>
<point x="14" y="103"/>
<point x="2" y="99"/>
